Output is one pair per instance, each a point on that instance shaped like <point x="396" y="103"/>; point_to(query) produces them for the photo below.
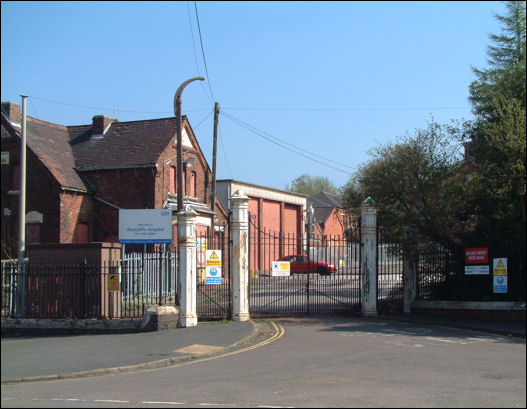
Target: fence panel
<point x="390" y="291"/>
<point x="81" y="290"/>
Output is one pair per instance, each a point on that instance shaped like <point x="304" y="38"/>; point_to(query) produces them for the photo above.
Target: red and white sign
<point x="477" y="256"/>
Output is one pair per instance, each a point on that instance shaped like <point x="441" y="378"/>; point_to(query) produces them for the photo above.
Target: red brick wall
<point x="75" y="208"/>
<point x="124" y="188"/>
<point x="333" y="225"/>
<point x="42" y="196"/>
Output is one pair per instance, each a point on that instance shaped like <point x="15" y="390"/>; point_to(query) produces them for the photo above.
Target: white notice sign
<point x="474" y="270"/>
<point x="145" y="226"/>
<point x="281" y="269"/>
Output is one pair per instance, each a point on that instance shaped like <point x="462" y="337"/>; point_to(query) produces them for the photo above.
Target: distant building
<point x="330" y="216"/>
<point x="273" y="214"/>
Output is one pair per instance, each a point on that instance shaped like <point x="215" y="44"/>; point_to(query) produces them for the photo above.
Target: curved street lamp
<point x="177" y="112"/>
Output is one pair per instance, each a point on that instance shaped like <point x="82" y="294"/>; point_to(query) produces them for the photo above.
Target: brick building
<point x="78" y="177"/>
<point x="331" y="219"/>
<point x="273" y="214"/>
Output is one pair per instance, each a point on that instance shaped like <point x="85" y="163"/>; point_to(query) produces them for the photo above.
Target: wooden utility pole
<point x="214" y="151"/>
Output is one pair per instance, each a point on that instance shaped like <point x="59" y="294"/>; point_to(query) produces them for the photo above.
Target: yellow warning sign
<point x="213" y="258"/>
<point x="500" y="266"/>
<point x="113" y="282"/>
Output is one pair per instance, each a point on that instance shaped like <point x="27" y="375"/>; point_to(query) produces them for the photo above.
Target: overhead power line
<point x="198" y="71"/>
<point x="112" y="109"/>
<point x="345" y="109"/>
<point x="292" y="148"/>
<point x="203" y="52"/>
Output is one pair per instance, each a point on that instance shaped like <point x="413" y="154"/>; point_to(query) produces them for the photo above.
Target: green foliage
<point x="311" y="185"/>
<point x="498" y="135"/>
<point x="416" y="183"/>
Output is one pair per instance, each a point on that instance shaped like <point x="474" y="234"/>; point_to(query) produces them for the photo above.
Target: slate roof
<point x="323" y="205"/>
<point x="125" y="144"/>
<point x="50" y="143"/>
<point x="68" y="150"/>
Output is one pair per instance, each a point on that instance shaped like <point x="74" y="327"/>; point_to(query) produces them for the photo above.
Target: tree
<point x="497" y="138"/>
<point x="505" y="78"/>
<point x="416" y="183"/>
<point x="311" y="185"/>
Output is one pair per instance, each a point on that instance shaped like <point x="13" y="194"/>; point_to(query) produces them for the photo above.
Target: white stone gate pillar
<point x="186" y="231"/>
<point x="369" y="257"/>
<point x="240" y="256"/>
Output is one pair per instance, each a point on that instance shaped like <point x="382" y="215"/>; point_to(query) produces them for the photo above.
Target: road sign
<point x="281" y="269"/>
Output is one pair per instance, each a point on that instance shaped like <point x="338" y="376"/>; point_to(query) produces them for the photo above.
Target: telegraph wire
<point x="198" y="71"/>
<point x="203" y="52"/>
<point x="262" y="135"/>
<point x="224" y="152"/>
<point x="345" y="109"/>
<point x="110" y="109"/>
<point x="256" y="130"/>
<point x="203" y="120"/>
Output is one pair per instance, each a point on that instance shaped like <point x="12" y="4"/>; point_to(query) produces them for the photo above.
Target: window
<point x="172" y="187"/>
<point x="33" y="233"/>
<point x="192" y="185"/>
<point x="82" y="233"/>
<point x="15" y="177"/>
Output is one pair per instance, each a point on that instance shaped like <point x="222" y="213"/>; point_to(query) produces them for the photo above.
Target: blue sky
<point x="333" y="79"/>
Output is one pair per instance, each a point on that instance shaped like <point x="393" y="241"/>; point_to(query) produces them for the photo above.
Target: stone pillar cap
<point x="369" y="201"/>
<point x="239" y="195"/>
<point x="187" y="209"/>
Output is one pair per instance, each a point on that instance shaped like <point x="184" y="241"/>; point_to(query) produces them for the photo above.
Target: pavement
<point x="37" y="358"/>
<point x="34" y="358"/>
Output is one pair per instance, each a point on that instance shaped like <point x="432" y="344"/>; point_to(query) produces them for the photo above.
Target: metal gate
<point x="390" y="292"/>
<point x="325" y="274"/>
<point x="213" y="287"/>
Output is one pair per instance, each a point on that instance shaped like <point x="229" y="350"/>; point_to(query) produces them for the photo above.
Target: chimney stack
<point x="12" y="111"/>
<point x="100" y="123"/>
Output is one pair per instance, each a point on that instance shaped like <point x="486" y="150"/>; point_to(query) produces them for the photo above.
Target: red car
<point x="302" y="264"/>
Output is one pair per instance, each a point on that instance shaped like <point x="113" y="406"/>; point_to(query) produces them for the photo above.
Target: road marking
<point x="279" y="333"/>
<point x="110" y="400"/>
<point x="162" y="403"/>
<point x="446" y="340"/>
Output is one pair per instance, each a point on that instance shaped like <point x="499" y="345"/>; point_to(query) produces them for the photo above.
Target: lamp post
<point x="177" y="112"/>
<point x="22" y="215"/>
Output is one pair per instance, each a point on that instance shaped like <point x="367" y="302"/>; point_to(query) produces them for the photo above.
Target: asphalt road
<point x="331" y="362"/>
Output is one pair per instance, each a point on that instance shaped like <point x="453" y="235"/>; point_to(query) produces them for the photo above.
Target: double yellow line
<point x="279" y="333"/>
